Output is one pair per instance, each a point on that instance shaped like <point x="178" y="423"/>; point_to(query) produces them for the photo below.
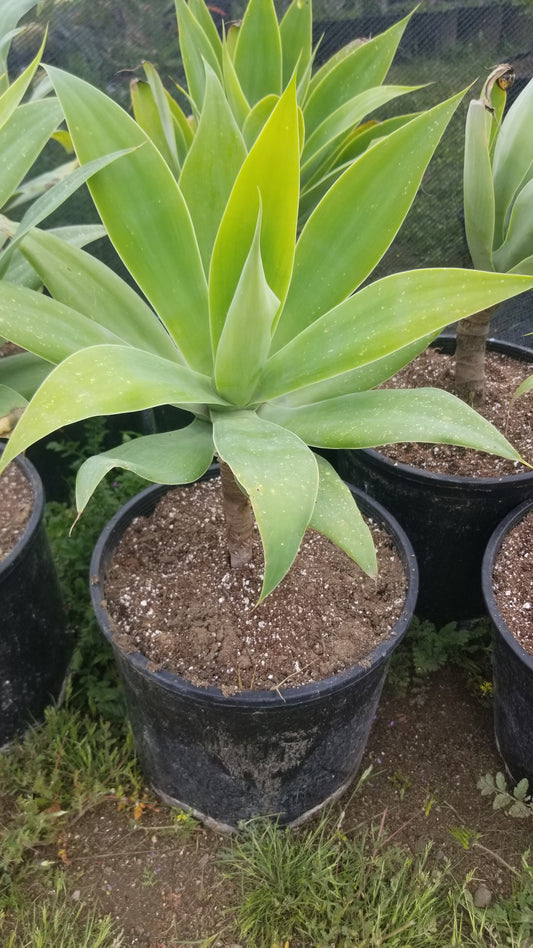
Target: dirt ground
<point x="166" y="888"/>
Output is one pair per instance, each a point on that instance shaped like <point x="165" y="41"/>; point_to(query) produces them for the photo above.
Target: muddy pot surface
<point x="35" y="648"/>
<point x="512" y="668"/>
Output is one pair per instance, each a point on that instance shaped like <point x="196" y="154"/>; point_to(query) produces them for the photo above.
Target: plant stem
<point x="239" y="519"/>
<point x="472" y="336"/>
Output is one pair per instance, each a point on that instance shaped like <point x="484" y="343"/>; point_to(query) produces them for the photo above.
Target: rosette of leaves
<point x="27" y="122"/>
<point x="274" y="342"/>
<point x="498" y="208"/>
<point x="254" y="60"/>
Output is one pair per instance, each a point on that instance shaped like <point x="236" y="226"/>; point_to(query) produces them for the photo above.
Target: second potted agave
<point x="274" y="345"/>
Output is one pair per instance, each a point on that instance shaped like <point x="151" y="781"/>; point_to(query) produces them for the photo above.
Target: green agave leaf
<point x="10" y="401"/>
<point x="271" y="169"/>
<point x="79" y="388"/>
<point x="79" y="235"/>
<point x="81" y="282"/>
<point x="196" y="50"/>
<point x="30" y="190"/>
<point x="23" y="372"/>
<point x="11" y="12"/>
<point x="525" y="266"/>
<point x="498" y="99"/>
<point x="264" y="458"/>
<point x="513" y="153"/>
<point x="296" y="31"/>
<point x="46" y="327"/>
<point x="14" y="94"/>
<point x="144" y="212"/>
<point x="342" y="155"/>
<point x="173" y="457"/>
<point x="368" y="134"/>
<point x="32" y="123"/>
<point x="323" y="142"/>
<point x="156" y="124"/>
<point x="218" y="145"/>
<point x="202" y="14"/>
<point x="370" y="419"/>
<point x="381" y="318"/>
<point x="478" y="187"/>
<point x="333" y="61"/>
<point x="312" y="194"/>
<point x="5" y="45"/>
<point x="19" y="271"/>
<point x="356" y="221"/>
<point x="257" y="117"/>
<point x="337" y="517"/>
<point x="518" y="243"/>
<point x="361" y="67"/>
<point x="245" y="340"/>
<point x="183" y="131"/>
<point x="259" y="75"/>
<point x="360" y="379"/>
<point x="524" y="387"/>
<point x="161" y="100"/>
<point x="53" y="198"/>
<point x="231" y="36"/>
<point x="236" y="97"/>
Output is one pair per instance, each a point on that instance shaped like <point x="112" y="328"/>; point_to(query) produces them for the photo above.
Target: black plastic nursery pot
<point x="448" y="519"/>
<point x="35" y="648"/>
<point x="257" y="753"/>
<point x="512" y="668"/>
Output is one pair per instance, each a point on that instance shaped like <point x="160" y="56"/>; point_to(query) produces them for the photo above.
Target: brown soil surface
<point x="513" y="582"/>
<point x="162" y="881"/>
<point x="172" y="596"/>
<point x="513" y="419"/>
<point x="9" y="348"/>
<point x="16" y="503"/>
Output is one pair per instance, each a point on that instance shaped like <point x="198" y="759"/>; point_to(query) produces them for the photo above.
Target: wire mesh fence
<point x="447" y="46"/>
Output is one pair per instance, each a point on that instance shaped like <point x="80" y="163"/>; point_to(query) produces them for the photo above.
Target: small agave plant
<point x="273" y="341"/>
<point x="498" y="208"/>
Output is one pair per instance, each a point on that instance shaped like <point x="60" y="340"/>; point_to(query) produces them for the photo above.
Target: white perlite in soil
<point x="172" y="596"/>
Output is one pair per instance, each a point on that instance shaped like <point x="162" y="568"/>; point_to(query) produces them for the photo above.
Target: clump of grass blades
<point x="318" y="887"/>
<point x="56" y="772"/>
<point x="508" y="921"/>
<point x="56" y="923"/>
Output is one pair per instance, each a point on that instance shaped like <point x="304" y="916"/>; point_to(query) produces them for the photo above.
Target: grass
<point x="318" y="887"/>
<point x="56" y="923"/>
<point x="314" y="887"/>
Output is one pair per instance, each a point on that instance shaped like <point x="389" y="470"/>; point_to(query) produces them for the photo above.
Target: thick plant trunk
<point x="472" y="336"/>
<point x="239" y="518"/>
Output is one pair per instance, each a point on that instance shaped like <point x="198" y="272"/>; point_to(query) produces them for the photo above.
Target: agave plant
<point x="274" y="342"/>
<point x="498" y="208"/>
<point x="341" y="92"/>
<point x="337" y="103"/>
<point x="25" y="129"/>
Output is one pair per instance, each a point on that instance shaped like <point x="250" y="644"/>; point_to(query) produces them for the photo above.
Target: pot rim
<point x="18" y="551"/>
<point x="487" y="569"/>
<point x="274" y="698"/>
<point x="456" y="481"/>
